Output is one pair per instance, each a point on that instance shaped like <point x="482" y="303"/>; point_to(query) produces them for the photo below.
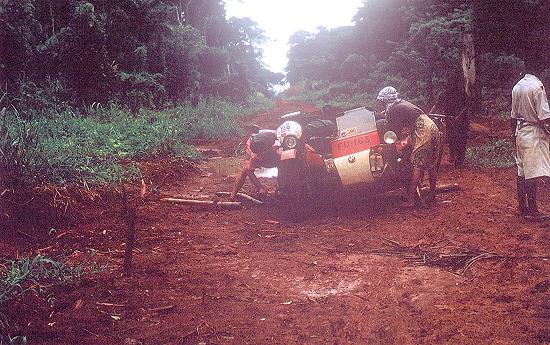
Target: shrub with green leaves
<point x="495" y="154"/>
<point x="344" y="95"/>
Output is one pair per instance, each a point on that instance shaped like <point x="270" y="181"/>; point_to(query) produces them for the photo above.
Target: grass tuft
<point x="28" y="275"/>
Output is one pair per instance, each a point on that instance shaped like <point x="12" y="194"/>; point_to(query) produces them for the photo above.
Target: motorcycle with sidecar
<point x="322" y="160"/>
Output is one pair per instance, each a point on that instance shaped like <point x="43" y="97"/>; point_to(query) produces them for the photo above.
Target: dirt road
<point x="464" y="271"/>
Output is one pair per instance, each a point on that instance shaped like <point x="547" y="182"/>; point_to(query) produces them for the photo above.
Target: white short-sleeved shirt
<point x="529" y="101"/>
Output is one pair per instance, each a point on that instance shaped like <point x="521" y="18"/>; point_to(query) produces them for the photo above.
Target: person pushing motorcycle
<point x="263" y="151"/>
<point x="414" y="129"/>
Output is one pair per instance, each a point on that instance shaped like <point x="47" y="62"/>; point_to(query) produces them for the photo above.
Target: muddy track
<point x="463" y="271"/>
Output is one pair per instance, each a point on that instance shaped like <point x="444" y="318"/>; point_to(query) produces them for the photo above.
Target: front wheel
<point x="292" y="186"/>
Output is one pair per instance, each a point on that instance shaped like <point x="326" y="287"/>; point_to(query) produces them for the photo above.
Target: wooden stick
<point x="242" y="196"/>
<point x="110" y="304"/>
<point x="168" y="307"/>
<point x="90" y="332"/>
<point x="129" y="214"/>
<point x="222" y="204"/>
<point x="443" y="188"/>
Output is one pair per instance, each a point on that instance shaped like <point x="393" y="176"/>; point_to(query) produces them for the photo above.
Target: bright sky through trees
<point x="281" y="18"/>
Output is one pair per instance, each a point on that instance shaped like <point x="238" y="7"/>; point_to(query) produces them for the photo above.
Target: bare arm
<point x="513" y="126"/>
<point x="543" y="109"/>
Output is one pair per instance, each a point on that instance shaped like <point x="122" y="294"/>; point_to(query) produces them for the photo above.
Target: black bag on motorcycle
<point x="321" y="128"/>
<point x="262" y="141"/>
<point x="320" y="133"/>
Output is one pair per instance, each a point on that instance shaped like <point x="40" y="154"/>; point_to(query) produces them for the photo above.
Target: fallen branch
<point x="110" y="304"/>
<point x="453" y="259"/>
<point x="90" y="332"/>
<point x="473" y="260"/>
<point x="242" y="197"/>
<point x="221" y="204"/>
<point x="443" y="188"/>
<point x="168" y="307"/>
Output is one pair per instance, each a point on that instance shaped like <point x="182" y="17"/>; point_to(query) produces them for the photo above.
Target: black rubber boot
<point x="522" y="192"/>
<point x="533" y="212"/>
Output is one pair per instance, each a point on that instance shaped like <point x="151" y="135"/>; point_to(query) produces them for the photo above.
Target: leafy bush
<point x="16" y="158"/>
<point x="354" y="67"/>
<point x="345" y="95"/>
<point x="258" y="102"/>
<point x="41" y="100"/>
<point x="138" y="90"/>
<point x="495" y="154"/>
<point x="500" y="71"/>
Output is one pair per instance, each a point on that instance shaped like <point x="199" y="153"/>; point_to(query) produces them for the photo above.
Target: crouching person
<point x="414" y="129"/>
<point x="263" y="150"/>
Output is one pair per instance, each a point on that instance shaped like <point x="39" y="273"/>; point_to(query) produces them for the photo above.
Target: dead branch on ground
<point x="129" y="214"/>
<point x="454" y="259"/>
<point x="242" y="197"/>
<point x="443" y="188"/>
<point x="213" y="204"/>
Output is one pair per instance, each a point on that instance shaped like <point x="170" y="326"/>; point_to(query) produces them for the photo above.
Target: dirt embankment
<point x="463" y="271"/>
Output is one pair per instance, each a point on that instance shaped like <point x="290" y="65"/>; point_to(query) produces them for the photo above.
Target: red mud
<point x="241" y="277"/>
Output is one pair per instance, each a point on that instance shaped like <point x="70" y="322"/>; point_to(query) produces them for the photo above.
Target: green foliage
<point x="41" y="100"/>
<point x="353" y="68"/>
<point x="138" y="53"/>
<point x="495" y="154"/>
<point x="28" y="274"/>
<point x="211" y="119"/>
<point x="16" y="159"/>
<point x="33" y="275"/>
<point x="318" y="56"/>
<point x="431" y="52"/>
<point x="416" y="46"/>
<point x="140" y="89"/>
<point x="101" y="144"/>
<point x="258" y="102"/>
<point x="343" y="95"/>
<point x="506" y="70"/>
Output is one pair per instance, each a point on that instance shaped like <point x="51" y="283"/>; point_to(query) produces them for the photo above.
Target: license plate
<point x="288" y="154"/>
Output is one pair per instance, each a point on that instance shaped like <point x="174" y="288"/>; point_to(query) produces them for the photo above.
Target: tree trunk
<point x="471" y="84"/>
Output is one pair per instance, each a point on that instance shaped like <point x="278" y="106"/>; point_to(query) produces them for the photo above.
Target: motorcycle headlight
<point x="390" y="137"/>
<point x="290" y="142"/>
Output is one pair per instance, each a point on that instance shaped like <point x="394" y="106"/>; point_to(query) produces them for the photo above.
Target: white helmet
<point x="388" y="95"/>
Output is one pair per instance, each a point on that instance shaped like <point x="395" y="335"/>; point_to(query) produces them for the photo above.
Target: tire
<point x="292" y="184"/>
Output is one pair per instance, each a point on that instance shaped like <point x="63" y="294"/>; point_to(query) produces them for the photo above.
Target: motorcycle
<point x="321" y="160"/>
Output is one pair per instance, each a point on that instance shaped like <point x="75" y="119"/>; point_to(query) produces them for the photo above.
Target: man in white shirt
<point x="530" y="113"/>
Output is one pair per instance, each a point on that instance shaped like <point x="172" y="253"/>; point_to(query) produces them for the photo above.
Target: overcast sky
<point x="281" y="18"/>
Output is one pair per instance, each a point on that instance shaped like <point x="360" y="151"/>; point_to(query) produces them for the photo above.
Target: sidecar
<point x="321" y="160"/>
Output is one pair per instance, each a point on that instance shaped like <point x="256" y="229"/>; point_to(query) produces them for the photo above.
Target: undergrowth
<point x="495" y="154"/>
<point x="342" y="95"/>
<point x="32" y="275"/>
<point x="100" y="145"/>
<point x="23" y="275"/>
